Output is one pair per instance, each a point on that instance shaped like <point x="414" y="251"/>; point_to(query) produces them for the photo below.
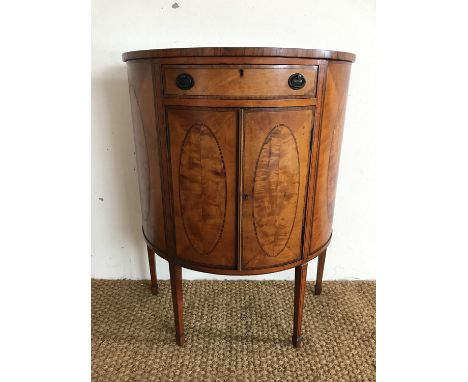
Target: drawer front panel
<point x="248" y="81"/>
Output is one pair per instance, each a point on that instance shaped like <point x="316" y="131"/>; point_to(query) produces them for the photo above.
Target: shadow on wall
<point x="117" y="173"/>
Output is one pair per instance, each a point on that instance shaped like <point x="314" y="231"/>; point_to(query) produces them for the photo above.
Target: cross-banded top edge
<point x="240" y="52"/>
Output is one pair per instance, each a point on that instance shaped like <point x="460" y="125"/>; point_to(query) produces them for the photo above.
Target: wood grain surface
<point x="202" y="188"/>
<point x="331" y="134"/>
<point x="251" y="81"/>
<point x="238" y="51"/>
<point x="147" y="151"/>
<point x="275" y="163"/>
<point x="203" y="159"/>
<point x="189" y="167"/>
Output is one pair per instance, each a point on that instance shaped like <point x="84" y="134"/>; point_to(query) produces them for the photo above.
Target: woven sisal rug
<point x="235" y="331"/>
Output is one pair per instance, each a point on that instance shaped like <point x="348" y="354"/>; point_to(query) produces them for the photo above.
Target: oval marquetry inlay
<point x="202" y="188"/>
<point x="276" y="190"/>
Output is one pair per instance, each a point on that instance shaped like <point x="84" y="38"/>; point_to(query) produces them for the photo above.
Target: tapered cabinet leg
<point x="152" y="265"/>
<point x="299" y="291"/>
<point x="177" y="302"/>
<point x="320" y="266"/>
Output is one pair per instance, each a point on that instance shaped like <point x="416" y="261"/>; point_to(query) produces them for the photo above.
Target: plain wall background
<point x="117" y="246"/>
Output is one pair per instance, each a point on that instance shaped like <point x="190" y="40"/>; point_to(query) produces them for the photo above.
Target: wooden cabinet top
<point x="240" y="52"/>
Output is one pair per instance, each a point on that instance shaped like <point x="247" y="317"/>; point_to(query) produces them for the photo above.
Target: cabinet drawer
<point x="247" y="81"/>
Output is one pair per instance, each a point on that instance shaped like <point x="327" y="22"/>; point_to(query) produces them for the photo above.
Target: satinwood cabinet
<point x="237" y="154"/>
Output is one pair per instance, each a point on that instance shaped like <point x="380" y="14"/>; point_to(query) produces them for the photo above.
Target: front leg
<point x="299" y="291"/>
<point x="177" y="302"/>
<point x="320" y="267"/>
<point x="152" y="265"/>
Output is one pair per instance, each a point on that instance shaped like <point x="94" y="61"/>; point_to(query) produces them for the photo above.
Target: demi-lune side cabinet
<point x="237" y="152"/>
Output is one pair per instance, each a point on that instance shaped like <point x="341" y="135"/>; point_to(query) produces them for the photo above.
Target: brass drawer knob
<point x="296" y="81"/>
<point x="185" y="81"/>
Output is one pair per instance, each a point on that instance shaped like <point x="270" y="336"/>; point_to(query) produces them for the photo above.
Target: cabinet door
<point x="203" y="161"/>
<point x="275" y="170"/>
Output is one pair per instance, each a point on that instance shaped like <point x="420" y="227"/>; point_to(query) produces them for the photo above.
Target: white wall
<point x="118" y="250"/>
